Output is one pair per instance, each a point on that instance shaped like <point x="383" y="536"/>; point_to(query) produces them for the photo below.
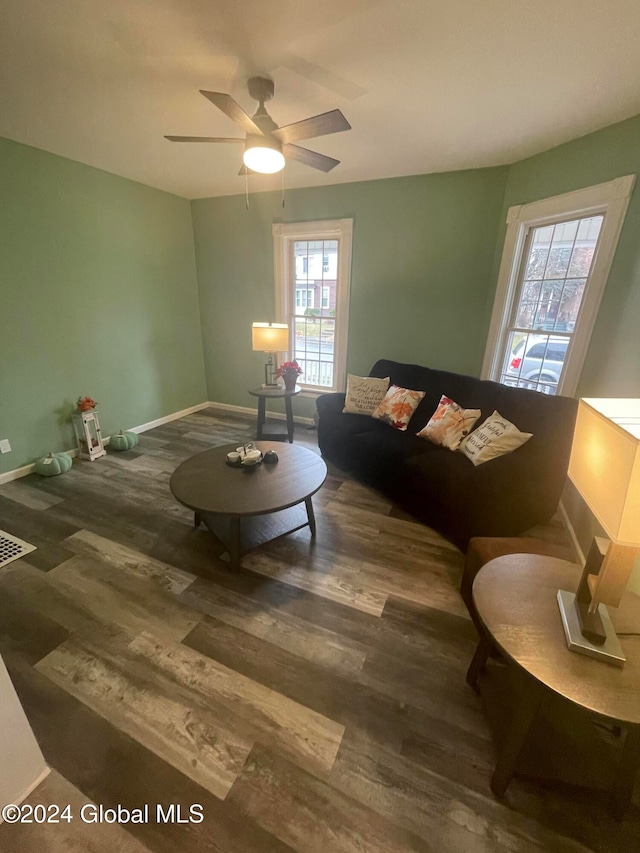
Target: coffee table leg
<point x="288" y="409"/>
<point x="235" y="543"/>
<point x="478" y="662"/>
<point x="528" y="697"/>
<point x="262" y="403"/>
<point x="311" y="517"/>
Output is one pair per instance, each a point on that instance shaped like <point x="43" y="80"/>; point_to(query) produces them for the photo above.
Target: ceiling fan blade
<point x="245" y="171"/>
<point x="320" y="125"/>
<point x="232" y="108"/>
<point x="310" y="158"/>
<point x="203" y="139"/>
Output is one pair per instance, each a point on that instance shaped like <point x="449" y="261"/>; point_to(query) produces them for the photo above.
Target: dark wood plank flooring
<point x="313" y="701"/>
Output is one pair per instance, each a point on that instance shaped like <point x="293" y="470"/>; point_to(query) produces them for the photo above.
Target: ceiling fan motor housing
<point x="264" y="121"/>
<point x="260" y="88"/>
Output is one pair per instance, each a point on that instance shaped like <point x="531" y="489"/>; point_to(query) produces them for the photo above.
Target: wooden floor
<point x="313" y="701"/>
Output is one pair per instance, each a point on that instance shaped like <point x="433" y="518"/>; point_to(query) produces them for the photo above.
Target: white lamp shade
<point x="270" y="337"/>
<point x="264" y="160"/>
<point x="605" y="465"/>
<point x="263" y="154"/>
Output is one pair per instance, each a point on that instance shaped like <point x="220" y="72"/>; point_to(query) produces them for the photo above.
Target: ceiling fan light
<point x="263" y="154"/>
<point x="265" y="160"/>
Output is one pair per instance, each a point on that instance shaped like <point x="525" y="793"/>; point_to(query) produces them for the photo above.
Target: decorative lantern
<point x="88" y="435"/>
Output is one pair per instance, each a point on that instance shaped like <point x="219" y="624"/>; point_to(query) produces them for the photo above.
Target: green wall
<point x="423" y="250"/>
<point x="98" y="296"/>
<point x="612" y="365"/>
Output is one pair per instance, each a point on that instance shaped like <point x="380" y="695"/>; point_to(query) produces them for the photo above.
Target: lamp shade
<point x="263" y="154"/>
<point x="270" y="337"/>
<point x="605" y="465"/>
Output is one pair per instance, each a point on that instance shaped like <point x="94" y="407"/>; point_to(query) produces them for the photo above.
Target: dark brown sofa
<point x="442" y="488"/>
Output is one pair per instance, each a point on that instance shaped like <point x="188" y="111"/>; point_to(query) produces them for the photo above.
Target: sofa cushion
<point x="388" y="445"/>
<point x="434" y="383"/>
<point x="364" y="394"/>
<point x="437" y="477"/>
<point x="493" y="438"/>
<point x="449" y="424"/>
<point x="397" y="406"/>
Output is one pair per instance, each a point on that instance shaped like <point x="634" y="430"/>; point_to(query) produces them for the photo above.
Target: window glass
<point x="314" y="316"/>
<point x="549" y="296"/>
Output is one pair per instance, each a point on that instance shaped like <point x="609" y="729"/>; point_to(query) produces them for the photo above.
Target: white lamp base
<point x="610" y="651"/>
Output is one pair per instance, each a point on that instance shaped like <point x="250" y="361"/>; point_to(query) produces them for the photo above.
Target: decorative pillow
<point x="398" y="406"/>
<point x="449" y="424"/>
<point x="364" y="394"/>
<point x="493" y="438"/>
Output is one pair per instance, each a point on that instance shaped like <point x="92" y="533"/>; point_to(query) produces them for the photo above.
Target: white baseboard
<point x="168" y="418"/>
<point x="16" y="801"/>
<point x="17" y="473"/>
<point x="8" y="476"/>
<point x="247" y="410"/>
<point x="579" y="553"/>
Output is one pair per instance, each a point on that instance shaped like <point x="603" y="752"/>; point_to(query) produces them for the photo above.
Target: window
<point x="304" y="298"/>
<point x="556" y="259"/>
<point x="312" y="278"/>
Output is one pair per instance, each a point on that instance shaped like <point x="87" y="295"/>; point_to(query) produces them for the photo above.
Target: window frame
<point x="610" y="199"/>
<point x="284" y="235"/>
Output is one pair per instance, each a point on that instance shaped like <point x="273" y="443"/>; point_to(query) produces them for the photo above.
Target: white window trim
<point x="329" y="229"/>
<point x="610" y="199"/>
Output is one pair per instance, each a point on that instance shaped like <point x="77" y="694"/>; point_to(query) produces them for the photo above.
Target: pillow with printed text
<point x="364" y="394"/>
<point x="493" y="438"/>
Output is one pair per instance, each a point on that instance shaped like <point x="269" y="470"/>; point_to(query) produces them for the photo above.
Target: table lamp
<point x="605" y="469"/>
<point x="270" y="338"/>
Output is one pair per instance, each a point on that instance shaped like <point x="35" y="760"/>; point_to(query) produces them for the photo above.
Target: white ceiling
<point x="427" y="85"/>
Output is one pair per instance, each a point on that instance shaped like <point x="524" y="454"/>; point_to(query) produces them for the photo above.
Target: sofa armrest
<point x="514" y="491"/>
<point x="330" y="404"/>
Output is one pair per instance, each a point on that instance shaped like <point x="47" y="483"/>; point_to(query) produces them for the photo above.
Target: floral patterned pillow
<point x="449" y="424"/>
<point x="398" y="406"/>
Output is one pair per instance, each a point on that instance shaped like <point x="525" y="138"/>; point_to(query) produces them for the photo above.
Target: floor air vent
<point x="12" y="548"/>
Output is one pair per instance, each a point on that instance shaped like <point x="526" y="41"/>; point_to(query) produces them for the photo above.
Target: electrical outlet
<point x="5" y="447"/>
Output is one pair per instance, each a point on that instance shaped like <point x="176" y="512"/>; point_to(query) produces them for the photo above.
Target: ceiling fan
<point x="265" y="144"/>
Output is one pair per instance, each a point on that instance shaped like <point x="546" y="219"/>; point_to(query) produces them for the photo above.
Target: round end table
<point x="264" y="393"/>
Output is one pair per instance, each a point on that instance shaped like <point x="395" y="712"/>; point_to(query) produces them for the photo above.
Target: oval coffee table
<point x="221" y="496"/>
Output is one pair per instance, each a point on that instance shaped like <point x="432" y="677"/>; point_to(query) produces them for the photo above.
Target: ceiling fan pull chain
<point x="246" y="188"/>
<point x="282" y="187"/>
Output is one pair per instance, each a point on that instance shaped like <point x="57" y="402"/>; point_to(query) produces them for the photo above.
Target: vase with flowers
<point x="85" y="404"/>
<point x="289" y="370"/>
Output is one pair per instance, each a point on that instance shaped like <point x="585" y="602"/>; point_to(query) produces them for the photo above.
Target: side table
<point x="264" y="394"/>
<point x="557" y="691"/>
